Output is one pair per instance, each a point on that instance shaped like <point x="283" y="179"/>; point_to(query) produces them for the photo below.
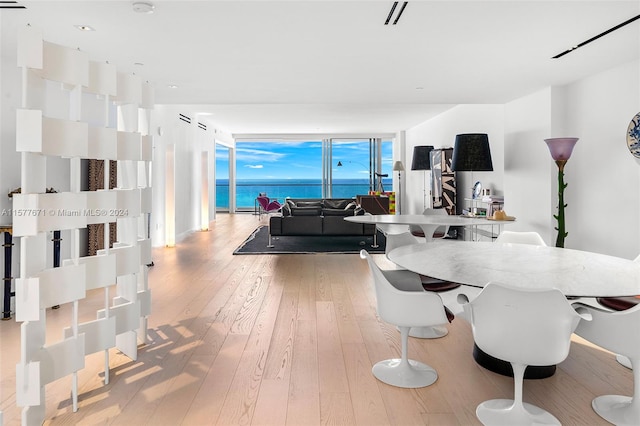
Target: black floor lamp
<point x="422" y="161"/>
<point x="471" y="153"/>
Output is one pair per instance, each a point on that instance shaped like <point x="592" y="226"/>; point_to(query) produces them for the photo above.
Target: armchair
<point x="265" y="205"/>
<point x="616" y="409"/>
<point x="405" y="309"/>
<point x="528" y="335"/>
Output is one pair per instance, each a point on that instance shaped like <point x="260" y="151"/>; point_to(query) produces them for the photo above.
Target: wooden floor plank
<point x="285" y="340"/>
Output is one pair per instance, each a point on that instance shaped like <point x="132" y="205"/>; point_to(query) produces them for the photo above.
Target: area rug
<point x="258" y="241"/>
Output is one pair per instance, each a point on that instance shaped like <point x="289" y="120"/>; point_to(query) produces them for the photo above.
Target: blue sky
<point x="300" y="160"/>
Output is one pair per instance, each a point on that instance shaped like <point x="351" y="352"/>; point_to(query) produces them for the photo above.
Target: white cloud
<point x="254" y="166"/>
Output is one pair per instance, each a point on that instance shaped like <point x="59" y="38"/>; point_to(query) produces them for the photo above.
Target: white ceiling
<point x="332" y="66"/>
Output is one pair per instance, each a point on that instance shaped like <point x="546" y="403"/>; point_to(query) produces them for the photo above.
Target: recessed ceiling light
<point x="143" y="7"/>
<point x="84" y="27"/>
<point x="172" y="86"/>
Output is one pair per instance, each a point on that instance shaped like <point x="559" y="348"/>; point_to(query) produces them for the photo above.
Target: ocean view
<point x="248" y="190"/>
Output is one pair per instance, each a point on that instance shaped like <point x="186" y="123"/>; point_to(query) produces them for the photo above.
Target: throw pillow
<point x="334" y="204"/>
<point x="350" y="206"/>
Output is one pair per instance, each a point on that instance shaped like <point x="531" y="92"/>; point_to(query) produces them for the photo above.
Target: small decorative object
<point x="633" y="136"/>
<point x="561" y="149"/>
<point x="477" y="190"/>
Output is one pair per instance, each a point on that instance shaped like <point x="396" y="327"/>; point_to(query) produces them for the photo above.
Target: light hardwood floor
<point x="285" y="340"/>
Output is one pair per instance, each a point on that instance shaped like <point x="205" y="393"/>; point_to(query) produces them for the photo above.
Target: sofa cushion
<point x="317" y="204"/>
<point x="335" y="204"/>
<point x="306" y="211"/>
<point x="337" y="212"/>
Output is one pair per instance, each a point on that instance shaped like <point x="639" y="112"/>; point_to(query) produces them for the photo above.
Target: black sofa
<point x="309" y="217"/>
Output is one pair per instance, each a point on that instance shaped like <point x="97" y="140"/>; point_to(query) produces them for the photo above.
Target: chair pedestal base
<point x="504" y="412"/>
<point x="434" y="332"/>
<point x="623" y="360"/>
<point x="413" y="374"/>
<point x="617" y="409"/>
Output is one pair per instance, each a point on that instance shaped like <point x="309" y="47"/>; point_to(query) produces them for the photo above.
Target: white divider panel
<point x="129" y="145"/>
<point x="30" y="48"/>
<point x="146" y="148"/>
<point x="51" y="287"/>
<point x="146" y="200"/>
<point x="30" y="348"/>
<point x="61" y="359"/>
<point x="148" y="96"/>
<point x="128" y="202"/>
<point x="100" y="270"/>
<point x="145" y="251"/>
<point x="129" y="89"/>
<point x="127" y="288"/>
<point x="33" y="254"/>
<point x="99" y="334"/>
<point x="103" y="78"/>
<point x="103" y="143"/>
<point x="50" y="136"/>
<point x="102" y="207"/>
<point x="28" y="385"/>
<point x="48" y="212"/>
<point x="127" y="259"/>
<point x="127" y="316"/>
<point x="144" y="297"/>
<point x="40" y="136"/>
<point x="53" y="362"/>
<point x="66" y="65"/>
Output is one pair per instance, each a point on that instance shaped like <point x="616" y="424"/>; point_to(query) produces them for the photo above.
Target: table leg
<point x="6" y="307"/>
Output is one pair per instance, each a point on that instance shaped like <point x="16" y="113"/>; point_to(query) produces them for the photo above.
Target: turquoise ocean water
<point x="248" y="190"/>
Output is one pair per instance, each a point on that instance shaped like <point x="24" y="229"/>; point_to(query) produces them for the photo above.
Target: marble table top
<point x="574" y="272"/>
<point x="421" y="219"/>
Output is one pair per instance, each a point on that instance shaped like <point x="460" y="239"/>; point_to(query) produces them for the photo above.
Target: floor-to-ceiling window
<point x="222" y="178"/>
<point x="310" y="169"/>
<point x="360" y="166"/>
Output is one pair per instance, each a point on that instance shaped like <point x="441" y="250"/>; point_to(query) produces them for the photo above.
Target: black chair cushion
<point x="621" y="303"/>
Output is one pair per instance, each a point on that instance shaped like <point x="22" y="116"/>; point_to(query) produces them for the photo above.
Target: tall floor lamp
<point x="561" y="149"/>
<point x="422" y="161"/>
<point x="399" y="167"/>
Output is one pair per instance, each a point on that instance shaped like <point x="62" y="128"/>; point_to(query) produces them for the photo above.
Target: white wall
<point x="189" y="142"/>
<point x="441" y="132"/>
<point x="603" y="193"/>
<point x="529" y="173"/>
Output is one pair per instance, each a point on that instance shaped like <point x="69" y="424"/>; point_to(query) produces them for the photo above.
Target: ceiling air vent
<point x="11" y="5"/>
<point x="184" y="118"/>
<point x="393" y="9"/>
<point x="202" y="126"/>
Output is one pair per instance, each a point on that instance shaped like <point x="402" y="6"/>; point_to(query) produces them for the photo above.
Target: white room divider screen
<point x="75" y="109"/>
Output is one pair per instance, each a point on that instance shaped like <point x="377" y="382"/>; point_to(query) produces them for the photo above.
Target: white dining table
<point x="573" y="272"/>
<point x="428" y="223"/>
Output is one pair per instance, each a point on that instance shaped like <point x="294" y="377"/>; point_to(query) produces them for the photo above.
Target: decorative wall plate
<point x="633" y="136"/>
<point x="477" y="189"/>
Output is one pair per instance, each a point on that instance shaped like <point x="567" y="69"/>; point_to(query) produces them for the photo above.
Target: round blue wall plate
<point x="633" y="136"/>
